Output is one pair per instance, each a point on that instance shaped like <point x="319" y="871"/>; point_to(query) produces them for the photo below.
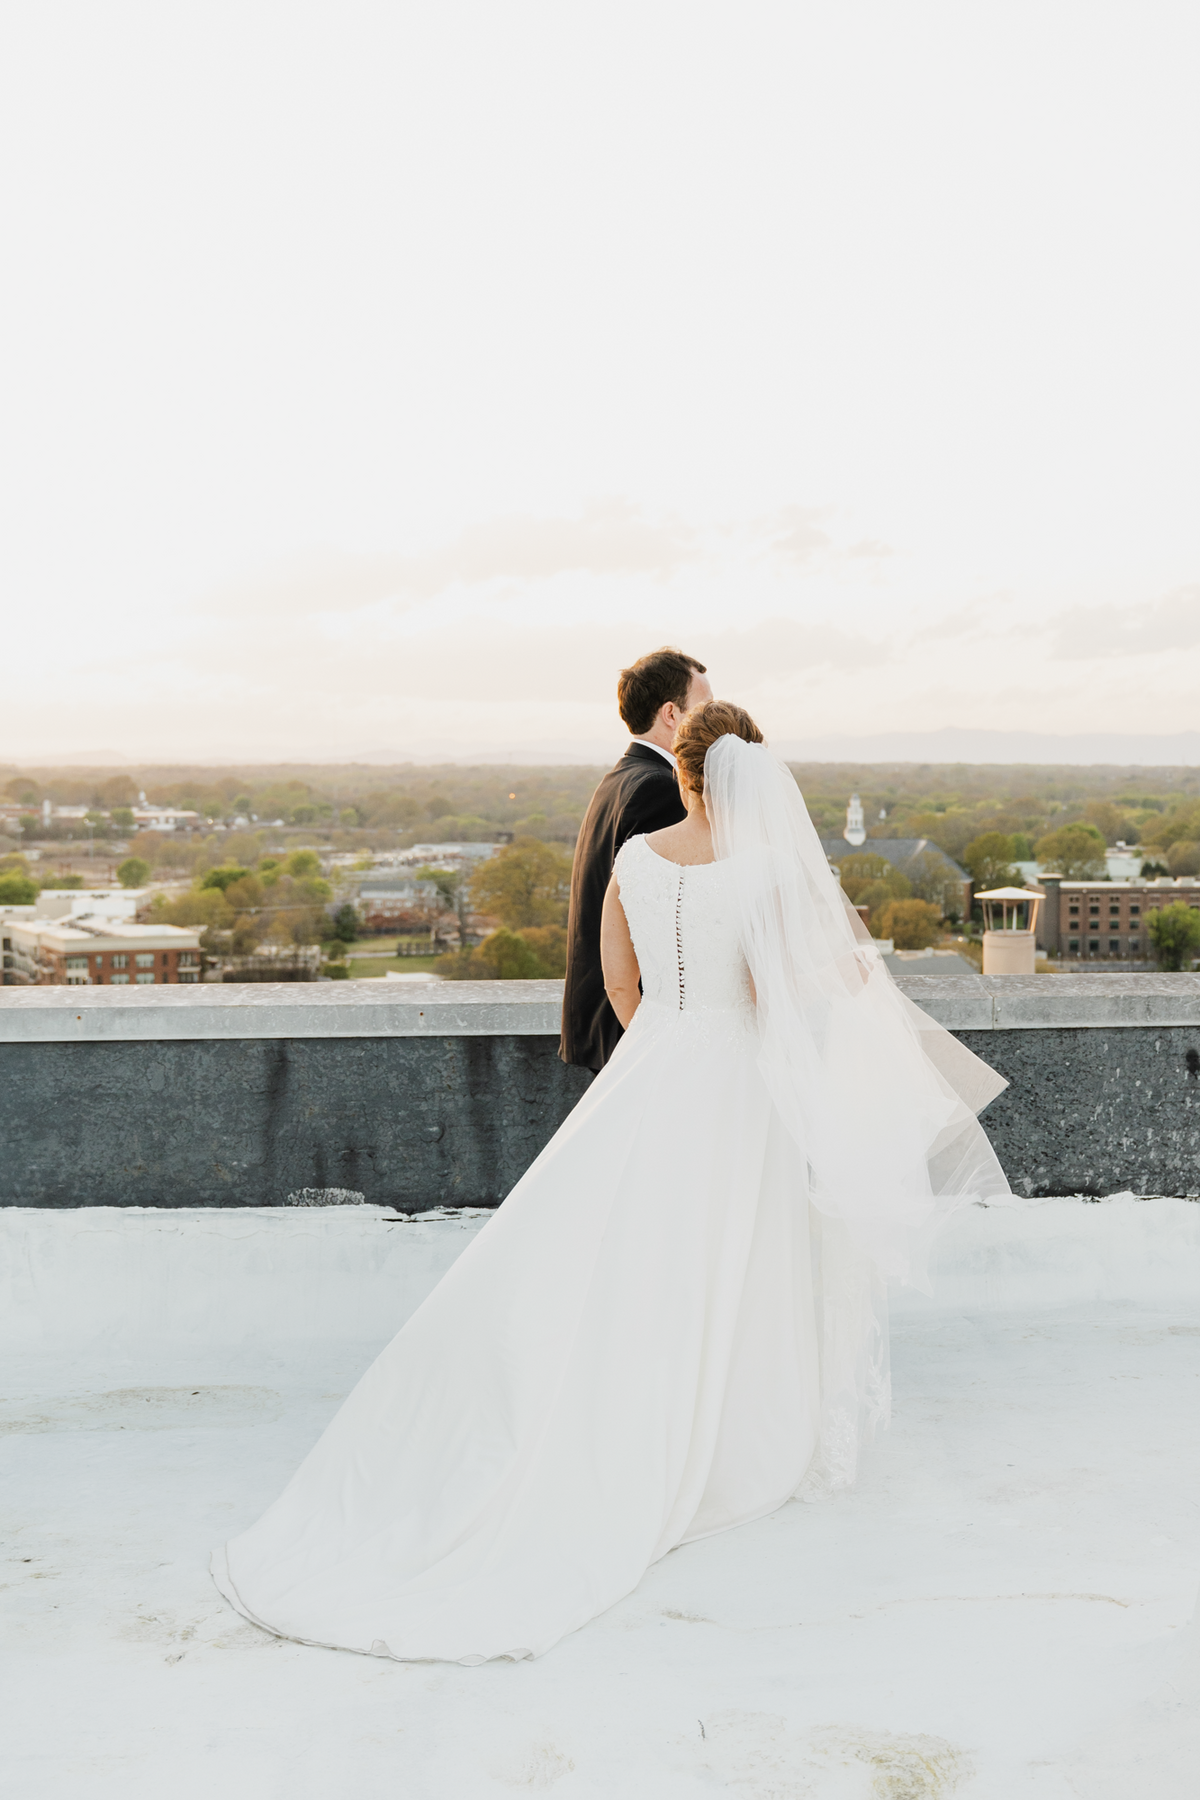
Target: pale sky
<point x="377" y="378"/>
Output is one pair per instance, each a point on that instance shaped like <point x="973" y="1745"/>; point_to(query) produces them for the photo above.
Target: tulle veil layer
<point x="879" y="1097"/>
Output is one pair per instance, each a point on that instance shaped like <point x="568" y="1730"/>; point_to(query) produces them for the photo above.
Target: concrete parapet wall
<point x="419" y="1095"/>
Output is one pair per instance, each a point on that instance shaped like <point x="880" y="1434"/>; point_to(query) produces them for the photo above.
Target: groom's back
<point x="639" y="795"/>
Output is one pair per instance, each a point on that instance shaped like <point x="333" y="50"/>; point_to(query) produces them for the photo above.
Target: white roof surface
<point x="71" y="934"/>
<point x="1002" y="1609"/>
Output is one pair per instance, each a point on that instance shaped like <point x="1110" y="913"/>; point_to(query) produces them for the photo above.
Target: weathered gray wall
<point x="410" y="1122"/>
<point x="419" y="1122"/>
<point x="1094" y="1111"/>
<point x="444" y="1093"/>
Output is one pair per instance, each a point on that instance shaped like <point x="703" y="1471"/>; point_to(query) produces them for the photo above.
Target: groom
<point x="639" y="795"/>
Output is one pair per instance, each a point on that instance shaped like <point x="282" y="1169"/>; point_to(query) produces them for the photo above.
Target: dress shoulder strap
<point x="630" y="862"/>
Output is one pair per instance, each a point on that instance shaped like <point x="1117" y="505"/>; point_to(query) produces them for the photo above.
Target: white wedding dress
<point x="657" y="1336"/>
<point x="624" y="1359"/>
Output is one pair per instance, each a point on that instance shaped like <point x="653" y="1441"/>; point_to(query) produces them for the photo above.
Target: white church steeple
<point x="855" y="832"/>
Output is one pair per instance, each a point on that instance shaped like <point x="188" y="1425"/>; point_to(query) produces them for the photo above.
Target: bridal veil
<point x="879" y="1098"/>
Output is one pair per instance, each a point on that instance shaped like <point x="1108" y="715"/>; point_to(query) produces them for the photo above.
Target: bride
<point x="676" y="1321"/>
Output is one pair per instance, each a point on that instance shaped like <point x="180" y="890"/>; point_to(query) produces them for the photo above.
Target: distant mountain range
<point x="952" y="744"/>
<point x="956" y="745"/>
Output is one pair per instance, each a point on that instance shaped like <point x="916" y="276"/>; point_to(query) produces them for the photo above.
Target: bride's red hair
<point x="700" y="730"/>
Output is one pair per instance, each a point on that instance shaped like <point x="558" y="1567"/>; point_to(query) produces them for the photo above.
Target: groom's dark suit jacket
<point x="639" y="795"/>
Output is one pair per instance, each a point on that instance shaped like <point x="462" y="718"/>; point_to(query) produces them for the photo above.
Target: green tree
<point x="133" y="872"/>
<point x="866" y="871"/>
<point x="202" y="906"/>
<point x="1183" y="858"/>
<point x="929" y="878"/>
<point x="872" y="881"/>
<point x="526" y="883"/>
<point x="245" y="894"/>
<point x="504" y="956"/>
<point x="313" y="890"/>
<point x="1111" y="821"/>
<point x="345" y="924"/>
<point x="951" y="831"/>
<point x="122" y="818"/>
<point x="989" y="860"/>
<point x="399" y="810"/>
<point x="223" y="877"/>
<point x="1175" y="933"/>
<point x="911" y="924"/>
<point x="1183" y="821"/>
<point x="1076" y="851"/>
<point x="17" y="889"/>
<point x="549" y="945"/>
<point x="302" y="862"/>
<point x="446" y="881"/>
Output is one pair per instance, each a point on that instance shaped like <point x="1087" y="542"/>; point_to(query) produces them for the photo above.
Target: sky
<point x="377" y="379"/>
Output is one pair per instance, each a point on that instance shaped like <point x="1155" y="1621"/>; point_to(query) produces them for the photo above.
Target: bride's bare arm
<point x="618" y="958"/>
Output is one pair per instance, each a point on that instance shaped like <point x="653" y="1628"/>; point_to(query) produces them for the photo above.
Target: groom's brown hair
<point x="665" y="675"/>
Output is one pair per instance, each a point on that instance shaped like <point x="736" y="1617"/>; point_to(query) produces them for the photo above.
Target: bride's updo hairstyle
<point x="699" y="732"/>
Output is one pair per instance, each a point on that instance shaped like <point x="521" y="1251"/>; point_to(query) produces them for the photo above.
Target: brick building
<point x="1105" y="921"/>
<point x="101" y="953"/>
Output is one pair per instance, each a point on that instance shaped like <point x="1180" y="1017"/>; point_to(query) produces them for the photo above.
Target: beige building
<point x="97" y="953"/>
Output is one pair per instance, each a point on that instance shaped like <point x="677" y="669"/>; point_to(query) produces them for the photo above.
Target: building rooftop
<point x="895" y="850"/>
<point x="85" y="932"/>
<point x="1003" y="1607"/>
<point x="1132" y="881"/>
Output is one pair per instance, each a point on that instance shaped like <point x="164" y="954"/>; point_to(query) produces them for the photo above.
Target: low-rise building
<point x="97" y="952"/>
<point x="1122" y="861"/>
<point x="168" y="818"/>
<point x="90" y="903"/>
<point x="1105" y="921"/>
<point x="398" y="902"/>
<point x="449" y="856"/>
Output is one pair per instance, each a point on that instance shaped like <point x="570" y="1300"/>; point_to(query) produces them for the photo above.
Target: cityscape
<point x="461" y="872"/>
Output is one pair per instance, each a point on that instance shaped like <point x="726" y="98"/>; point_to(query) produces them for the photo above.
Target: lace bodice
<point x="684" y="931"/>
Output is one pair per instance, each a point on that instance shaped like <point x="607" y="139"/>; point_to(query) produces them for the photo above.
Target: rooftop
<point x="83" y="930"/>
<point x="894" y="850"/>
<point x="1003" y="1607"/>
<point x="1132" y="881"/>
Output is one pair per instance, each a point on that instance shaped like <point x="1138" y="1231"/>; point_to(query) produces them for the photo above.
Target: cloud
<point x="609" y="537"/>
<point x="380" y="682"/>
<point x="979" y="618"/>
<point x="1169" y="623"/>
<point x="777" y="648"/>
<point x="797" y="533"/>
